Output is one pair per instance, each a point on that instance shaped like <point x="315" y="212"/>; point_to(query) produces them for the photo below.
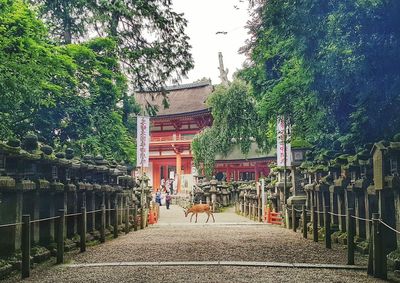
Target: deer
<point x="199" y="208"/>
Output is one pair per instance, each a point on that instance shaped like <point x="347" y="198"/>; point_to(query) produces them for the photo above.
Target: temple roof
<point x="254" y="153"/>
<point x="185" y="98"/>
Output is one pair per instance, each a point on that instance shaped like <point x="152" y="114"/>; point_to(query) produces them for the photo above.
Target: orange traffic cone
<point x="155" y="216"/>
<point x="151" y="217"/>
<point x="269" y="220"/>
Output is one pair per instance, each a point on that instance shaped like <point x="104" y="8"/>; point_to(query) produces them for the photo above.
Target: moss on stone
<point x="300" y="143"/>
<point x="394" y="260"/>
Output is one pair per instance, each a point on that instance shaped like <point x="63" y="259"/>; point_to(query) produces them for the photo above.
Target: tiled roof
<point x="183" y="98"/>
<point x="254" y="153"/>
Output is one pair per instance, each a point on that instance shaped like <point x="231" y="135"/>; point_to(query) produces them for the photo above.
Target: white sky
<point x="205" y="18"/>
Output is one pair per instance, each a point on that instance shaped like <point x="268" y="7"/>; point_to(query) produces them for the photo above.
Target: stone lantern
<point x="387" y="184"/>
<point x="361" y="181"/>
<point x="213" y="191"/>
<point x="321" y="190"/>
<point x="282" y="195"/>
<point x="241" y="197"/>
<point x="298" y="197"/>
<point x="206" y="190"/>
<point x="271" y="190"/>
<point x="334" y="173"/>
<point x="10" y="199"/>
<point x="225" y="194"/>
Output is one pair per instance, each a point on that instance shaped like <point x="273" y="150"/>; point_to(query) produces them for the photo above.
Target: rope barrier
<point x="338" y="215"/>
<point x="10" y="224"/>
<point x="93" y="211"/>
<point x="44" y="219"/>
<point x="73" y="214"/>
<point x="394" y="230"/>
<point x="359" y="218"/>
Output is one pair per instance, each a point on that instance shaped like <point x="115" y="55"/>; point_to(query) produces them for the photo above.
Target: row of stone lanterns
<point x="36" y="181"/>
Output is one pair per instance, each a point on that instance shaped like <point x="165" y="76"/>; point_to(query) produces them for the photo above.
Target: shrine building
<point x="172" y="132"/>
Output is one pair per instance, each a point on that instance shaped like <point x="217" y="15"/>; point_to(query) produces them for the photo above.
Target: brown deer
<point x="199" y="208"/>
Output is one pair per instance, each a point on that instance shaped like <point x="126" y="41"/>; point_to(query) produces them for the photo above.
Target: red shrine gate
<point x="173" y="129"/>
<point x="172" y="132"/>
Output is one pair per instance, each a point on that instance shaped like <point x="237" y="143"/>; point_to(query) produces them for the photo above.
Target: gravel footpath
<point x="200" y="274"/>
<point x="231" y="238"/>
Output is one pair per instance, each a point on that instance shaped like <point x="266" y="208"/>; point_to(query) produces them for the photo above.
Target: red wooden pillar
<point x="178" y="171"/>
<point x="156" y="175"/>
<point x="228" y="173"/>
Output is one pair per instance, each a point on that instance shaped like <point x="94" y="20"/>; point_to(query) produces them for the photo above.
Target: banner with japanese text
<point x="280" y="143"/>
<point x="143" y="141"/>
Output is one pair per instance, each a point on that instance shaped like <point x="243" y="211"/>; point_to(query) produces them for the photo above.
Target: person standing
<point x="168" y="200"/>
<point x="175" y="184"/>
<point x="158" y="197"/>
<point x="163" y="185"/>
<point x="171" y="186"/>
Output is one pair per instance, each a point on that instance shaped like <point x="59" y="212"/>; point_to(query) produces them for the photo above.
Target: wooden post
<point x="142" y="216"/>
<point x="350" y="236"/>
<point x="83" y="229"/>
<point x="315" y="224"/>
<point x="115" y="222"/>
<point x="102" y="223"/>
<point x="288" y="223"/>
<point x="60" y="236"/>
<point x="327" y="221"/>
<point x="304" y="221"/>
<point x="135" y="226"/>
<point x="370" y="269"/>
<point x="26" y="246"/>
<point x="380" y="269"/>
<point x="127" y="219"/>
<point x="293" y="218"/>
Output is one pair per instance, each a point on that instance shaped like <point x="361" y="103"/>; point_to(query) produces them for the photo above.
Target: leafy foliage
<point x="332" y="66"/>
<point x="77" y="95"/>
<point x="150" y="36"/>
<point x="66" y="19"/>
<point x="34" y="73"/>
<point x="235" y="120"/>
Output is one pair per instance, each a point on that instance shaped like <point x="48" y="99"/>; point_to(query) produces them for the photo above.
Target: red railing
<point x="170" y="138"/>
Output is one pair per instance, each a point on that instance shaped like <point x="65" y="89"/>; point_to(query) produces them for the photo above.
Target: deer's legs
<point x="196" y="218"/>
<point x="212" y="216"/>
<point x="191" y="217"/>
<point x="208" y="216"/>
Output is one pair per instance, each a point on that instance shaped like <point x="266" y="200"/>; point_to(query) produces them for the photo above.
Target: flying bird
<point x="221" y="32"/>
<point x="236" y="7"/>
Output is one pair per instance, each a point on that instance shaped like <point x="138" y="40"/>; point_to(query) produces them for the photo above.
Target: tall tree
<point x="235" y="121"/>
<point x="67" y="19"/>
<point x="90" y="119"/>
<point x="330" y="64"/>
<point x="33" y="73"/>
<point x="151" y="38"/>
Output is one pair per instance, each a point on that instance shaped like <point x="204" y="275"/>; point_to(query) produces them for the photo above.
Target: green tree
<point x="150" y="36"/>
<point x="235" y="121"/>
<point x="68" y="95"/>
<point x="67" y="20"/>
<point x="33" y="73"/>
<point x="90" y="119"/>
<point x="329" y="65"/>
